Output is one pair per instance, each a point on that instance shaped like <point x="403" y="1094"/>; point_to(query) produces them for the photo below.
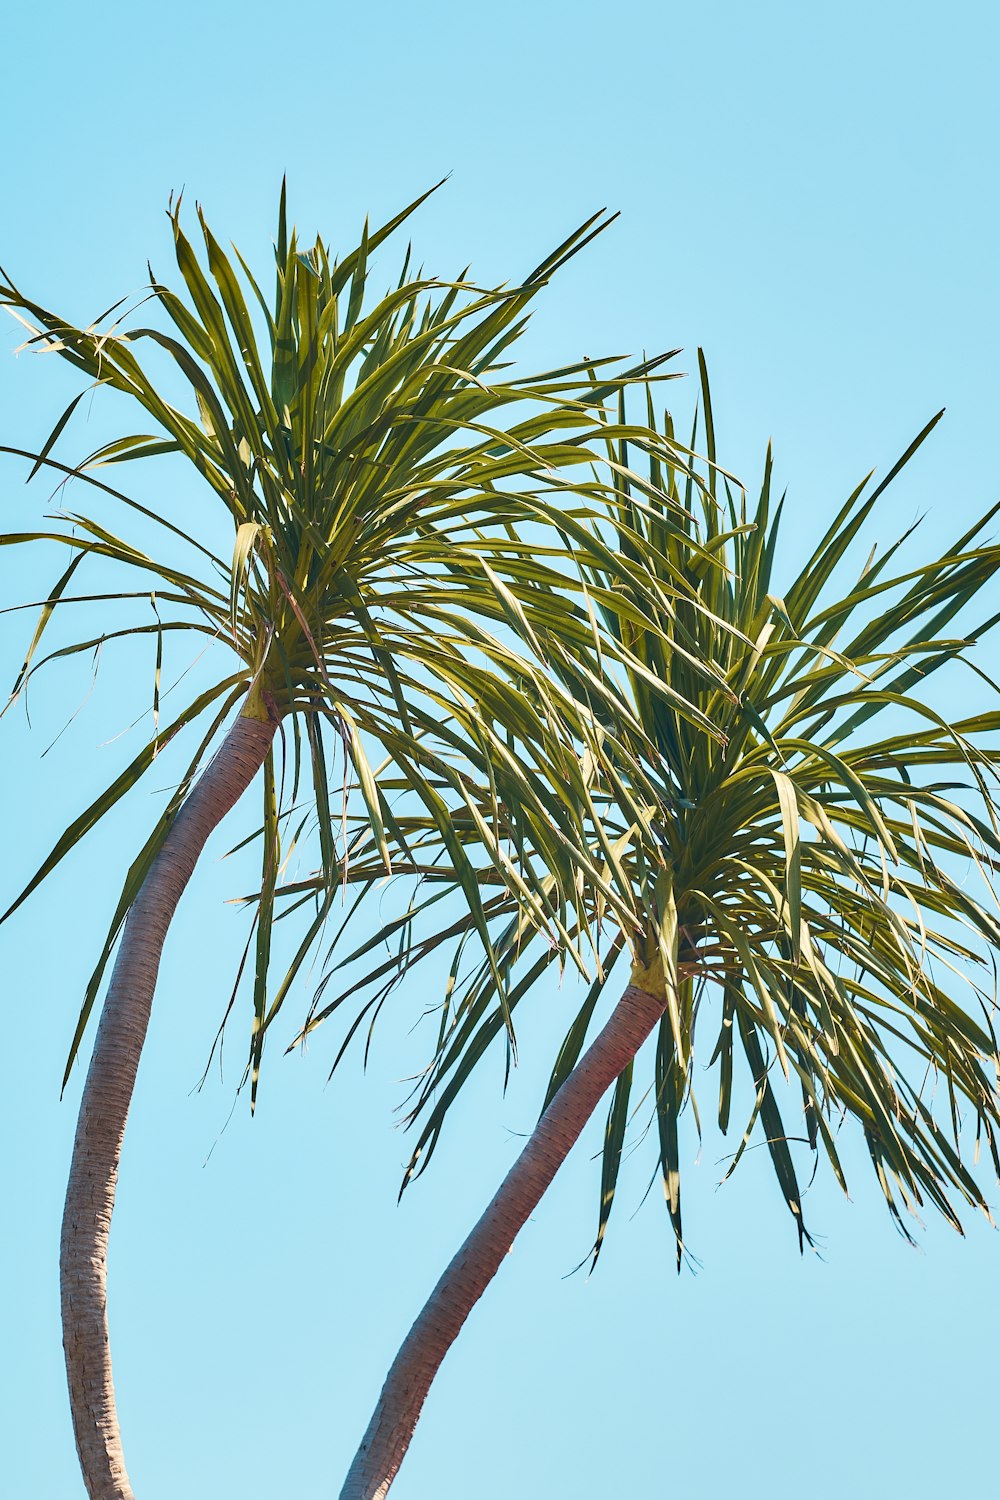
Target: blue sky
<point x="807" y="192"/>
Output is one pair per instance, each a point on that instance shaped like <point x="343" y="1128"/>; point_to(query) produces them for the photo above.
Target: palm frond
<point x="423" y="543"/>
<point x="830" y="870"/>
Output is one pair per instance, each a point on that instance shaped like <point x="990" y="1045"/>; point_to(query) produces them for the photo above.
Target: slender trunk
<point x="104" y="1107"/>
<point x="385" y="1443"/>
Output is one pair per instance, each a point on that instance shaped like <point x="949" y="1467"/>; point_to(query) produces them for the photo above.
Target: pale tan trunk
<point x="104" y="1108"/>
<point x="473" y="1268"/>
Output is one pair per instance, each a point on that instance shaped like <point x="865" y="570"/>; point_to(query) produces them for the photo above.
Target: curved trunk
<point x="473" y="1268"/>
<point x="104" y="1107"/>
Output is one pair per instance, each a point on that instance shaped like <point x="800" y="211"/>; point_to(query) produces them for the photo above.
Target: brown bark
<point x="385" y="1443"/>
<point x="104" y="1107"/>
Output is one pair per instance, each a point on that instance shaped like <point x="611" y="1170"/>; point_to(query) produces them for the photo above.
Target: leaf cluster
<point x="412" y="524"/>
<point x="818" y="882"/>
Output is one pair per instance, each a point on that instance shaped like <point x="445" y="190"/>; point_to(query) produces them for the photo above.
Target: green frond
<point x="831" y="869"/>
<point x="426" y="546"/>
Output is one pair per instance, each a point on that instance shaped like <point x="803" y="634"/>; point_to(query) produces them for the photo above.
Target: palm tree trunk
<point x="107" y="1094"/>
<point x="473" y="1268"/>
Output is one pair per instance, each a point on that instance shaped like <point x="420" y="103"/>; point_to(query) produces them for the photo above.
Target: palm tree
<point x="815" y="893"/>
<point x="411" y="524"/>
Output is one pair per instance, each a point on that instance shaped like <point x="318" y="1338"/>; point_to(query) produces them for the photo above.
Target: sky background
<point x="810" y="194"/>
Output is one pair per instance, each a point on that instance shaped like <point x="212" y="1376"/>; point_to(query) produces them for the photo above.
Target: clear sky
<point x="810" y="193"/>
